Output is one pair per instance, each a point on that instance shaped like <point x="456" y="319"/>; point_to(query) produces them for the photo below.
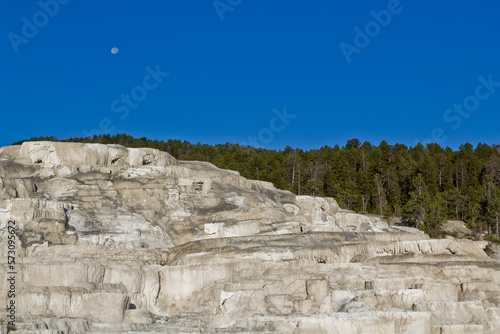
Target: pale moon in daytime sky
<point x="115" y="50"/>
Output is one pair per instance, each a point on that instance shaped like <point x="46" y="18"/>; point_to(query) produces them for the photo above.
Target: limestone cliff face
<point x="111" y="239"/>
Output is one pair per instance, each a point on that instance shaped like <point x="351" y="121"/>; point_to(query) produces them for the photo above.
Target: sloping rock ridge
<point x="111" y="239"/>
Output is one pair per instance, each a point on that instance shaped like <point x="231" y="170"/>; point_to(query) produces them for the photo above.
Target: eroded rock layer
<point x="111" y="240"/>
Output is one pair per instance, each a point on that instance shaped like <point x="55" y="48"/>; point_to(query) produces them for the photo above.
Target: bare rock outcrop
<point x="111" y="239"/>
<point x="456" y="228"/>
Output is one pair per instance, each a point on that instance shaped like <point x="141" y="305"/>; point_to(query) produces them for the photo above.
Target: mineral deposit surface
<point x="112" y="239"/>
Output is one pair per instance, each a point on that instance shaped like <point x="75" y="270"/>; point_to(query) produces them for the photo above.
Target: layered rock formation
<point x="111" y="240"/>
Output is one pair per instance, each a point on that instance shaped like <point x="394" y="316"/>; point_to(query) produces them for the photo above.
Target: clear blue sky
<point x="231" y="66"/>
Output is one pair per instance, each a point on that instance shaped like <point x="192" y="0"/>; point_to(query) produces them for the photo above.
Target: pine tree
<point x="415" y="208"/>
<point x="380" y="193"/>
<point x="435" y="214"/>
<point x="490" y="204"/>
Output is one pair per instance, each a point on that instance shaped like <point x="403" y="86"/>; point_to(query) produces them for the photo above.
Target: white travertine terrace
<point x="112" y="239"/>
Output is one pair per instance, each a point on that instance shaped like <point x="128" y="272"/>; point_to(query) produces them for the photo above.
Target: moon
<point x="115" y="50"/>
